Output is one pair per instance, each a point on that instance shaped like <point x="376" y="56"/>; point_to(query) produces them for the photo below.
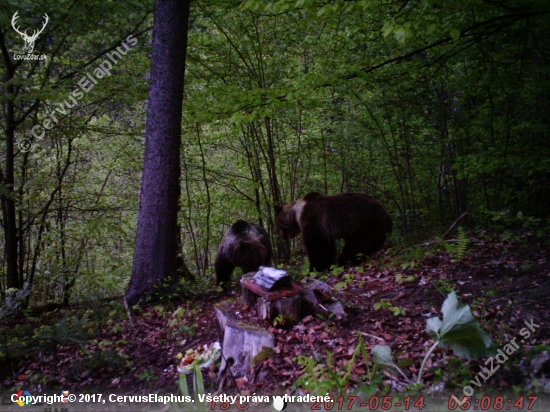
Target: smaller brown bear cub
<point x="358" y="219"/>
<point x="246" y="245"/>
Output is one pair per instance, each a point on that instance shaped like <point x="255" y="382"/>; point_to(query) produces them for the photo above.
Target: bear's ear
<point x="278" y="210"/>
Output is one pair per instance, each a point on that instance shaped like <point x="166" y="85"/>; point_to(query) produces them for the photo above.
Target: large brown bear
<point x="246" y="245"/>
<point x="358" y="219"/>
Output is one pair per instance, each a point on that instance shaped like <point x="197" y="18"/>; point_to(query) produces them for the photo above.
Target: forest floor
<point x="505" y="278"/>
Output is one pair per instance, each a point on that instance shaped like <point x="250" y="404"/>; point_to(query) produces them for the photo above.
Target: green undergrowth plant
<point x="284" y="321"/>
<point x="336" y="270"/>
<point x="53" y="331"/>
<point x="183" y="322"/>
<point x="444" y="286"/>
<point x="411" y="257"/>
<point x="325" y="377"/>
<point x="400" y="278"/>
<point x="70" y="329"/>
<point x="148" y="375"/>
<point x="458" y="331"/>
<point x="384" y="304"/>
<point x="345" y="282"/>
<point x="106" y="359"/>
<point x="506" y="220"/>
<point x="457" y="372"/>
<point x="459" y="248"/>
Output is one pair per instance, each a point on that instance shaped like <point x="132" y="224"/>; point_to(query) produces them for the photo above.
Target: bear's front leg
<point x="224" y="269"/>
<point x="321" y="251"/>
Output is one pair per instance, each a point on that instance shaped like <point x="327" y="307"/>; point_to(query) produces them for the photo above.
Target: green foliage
<point x="111" y="360"/>
<point x="460" y="371"/>
<point x="148" y="376"/>
<point x="381" y="356"/>
<point x="68" y="330"/>
<point x="15" y="343"/>
<point x="458" y="249"/>
<point x="400" y="278"/>
<point x="408" y="265"/>
<point x="445" y="286"/>
<point x="336" y="271"/>
<point x="185" y="319"/>
<point x="264" y="354"/>
<point x="458" y="331"/>
<point x="325" y="377"/>
<point x="505" y="219"/>
<point x="284" y="321"/>
<point x="492" y="293"/>
<point x="347" y="280"/>
<point x="384" y="304"/>
<point x="426" y="117"/>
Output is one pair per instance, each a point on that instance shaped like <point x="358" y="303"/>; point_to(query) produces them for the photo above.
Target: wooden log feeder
<point x="273" y="293"/>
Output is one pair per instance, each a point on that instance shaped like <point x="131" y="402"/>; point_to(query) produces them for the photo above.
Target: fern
<point x="458" y="249"/>
<point x="324" y="377"/>
<point x="318" y="377"/>
<point x="462" y="244"/>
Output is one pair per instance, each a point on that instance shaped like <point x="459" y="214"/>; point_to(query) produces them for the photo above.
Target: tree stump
<point x="285" y="300"/>
<point x="241" y="345"/>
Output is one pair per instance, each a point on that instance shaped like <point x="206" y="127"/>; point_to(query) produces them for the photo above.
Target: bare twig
<point x="455" y="224"/>
<point x="447" y="233"/>
<point x="371" y="336"/>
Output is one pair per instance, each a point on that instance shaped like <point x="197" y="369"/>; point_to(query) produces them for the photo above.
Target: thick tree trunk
<point x="156" y="258"/>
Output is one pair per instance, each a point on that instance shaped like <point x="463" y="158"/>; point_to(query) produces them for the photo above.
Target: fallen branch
<point x="454" y="225"/>
<point x="447" y="233"/>
<point x="371" y="336"/>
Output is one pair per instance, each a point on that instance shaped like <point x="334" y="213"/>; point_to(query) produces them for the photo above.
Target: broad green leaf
<point x="387" y="29"/>
<point x="341" y="285"/>
<point x="433" y="326"/>
<point x="381" y="355"/>
<point x="455" y="34"/>
<point x="459" y="330"/>
<point x="400" y="34"/>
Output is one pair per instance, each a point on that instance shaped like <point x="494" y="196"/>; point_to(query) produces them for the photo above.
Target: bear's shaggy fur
<point x="357" y="218"/>
<point x="246" y="245"/>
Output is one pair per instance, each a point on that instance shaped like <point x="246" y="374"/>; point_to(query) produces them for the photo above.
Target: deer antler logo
<point x="29" y="40"/>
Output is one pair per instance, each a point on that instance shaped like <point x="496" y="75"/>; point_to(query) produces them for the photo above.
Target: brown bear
<point x="357" y="218"/>
<point x="246" y="245"/>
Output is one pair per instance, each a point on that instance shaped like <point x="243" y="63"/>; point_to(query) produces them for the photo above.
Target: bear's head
<point x="287" y="220"/>
<point x="253" y="254"/>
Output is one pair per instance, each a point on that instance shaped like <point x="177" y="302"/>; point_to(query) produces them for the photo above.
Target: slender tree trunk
<point x="8" y="180"/>
<point x="208" y="202"/>
<point x="156" y="259"/>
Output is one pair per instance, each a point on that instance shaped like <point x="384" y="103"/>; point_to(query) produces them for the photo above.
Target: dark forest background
<point x="435" y="108"/>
